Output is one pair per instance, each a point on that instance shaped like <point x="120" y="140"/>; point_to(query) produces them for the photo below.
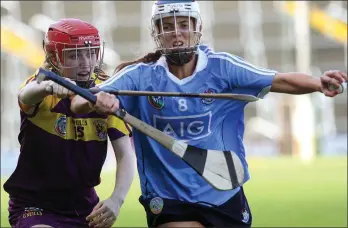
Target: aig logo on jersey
<point x="208" y="100"/>
<point x="156" y="101"/>
<point x="184" y="127"/>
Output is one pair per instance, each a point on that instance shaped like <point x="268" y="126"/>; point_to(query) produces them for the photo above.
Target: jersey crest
<point x="60" y="126"/>
<point x="156" y="101"/>
<point x="208" y="100"/>
<point x="100" y="129"/>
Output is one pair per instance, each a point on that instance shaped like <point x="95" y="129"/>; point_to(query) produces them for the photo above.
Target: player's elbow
<point x="80" y="105"/>
<point x="280" y="84"/>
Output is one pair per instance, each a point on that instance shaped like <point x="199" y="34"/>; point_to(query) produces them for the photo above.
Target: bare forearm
<point x="33" y="93"/>
<point x="295" y="83"/>
<point x="124" y="177"/>
<point x="80" y="105"/>
<point x="105" y="104"/>
<point x="125" y="171"/>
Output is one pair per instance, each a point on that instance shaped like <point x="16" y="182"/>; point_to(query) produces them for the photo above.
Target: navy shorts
<point x="233" y="213"/>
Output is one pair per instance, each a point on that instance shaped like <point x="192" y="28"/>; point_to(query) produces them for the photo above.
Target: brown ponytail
<point x="149" y="58"/>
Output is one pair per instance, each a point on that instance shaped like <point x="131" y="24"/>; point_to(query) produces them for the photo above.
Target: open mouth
<point x="83" y="74"/>
<point x="178" y="44"/>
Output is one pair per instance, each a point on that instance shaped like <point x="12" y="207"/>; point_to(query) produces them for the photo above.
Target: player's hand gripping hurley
<point x="222" y="169"/>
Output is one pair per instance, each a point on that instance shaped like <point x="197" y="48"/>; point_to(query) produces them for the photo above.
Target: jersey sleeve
<point x="126" y="79"/>
<point x="117" y="128"/>
<point x="31" y="110"/>
<point x="246" y="78"/>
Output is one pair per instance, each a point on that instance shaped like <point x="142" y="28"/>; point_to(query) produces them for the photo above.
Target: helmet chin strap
<point x="180" y="57"/>
<point x="85" y="84"/>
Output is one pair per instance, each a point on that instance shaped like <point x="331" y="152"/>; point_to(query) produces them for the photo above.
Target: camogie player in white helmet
<point x="173" y="194"/>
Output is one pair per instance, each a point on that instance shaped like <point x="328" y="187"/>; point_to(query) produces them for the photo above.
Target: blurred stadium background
<point x="296" y="145"/>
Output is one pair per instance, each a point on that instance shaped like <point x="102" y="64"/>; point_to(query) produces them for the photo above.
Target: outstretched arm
<point x="300" y="83"/>
<point x="247" y="78"/>
<point x="33" y="93"/>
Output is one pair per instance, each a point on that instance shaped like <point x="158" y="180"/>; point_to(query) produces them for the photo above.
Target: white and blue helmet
<point x="181" y="54"/>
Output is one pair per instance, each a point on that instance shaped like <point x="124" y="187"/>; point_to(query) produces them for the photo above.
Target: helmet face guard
<point x="73" y="49"/>
<point x="78" y="64"/>
<point x="176" y="29"/>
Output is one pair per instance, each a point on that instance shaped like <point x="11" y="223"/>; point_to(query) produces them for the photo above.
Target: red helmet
<point x="70" y="33"/>
<point x="73" y="36"/>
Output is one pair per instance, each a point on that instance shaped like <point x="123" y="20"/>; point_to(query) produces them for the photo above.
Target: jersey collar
<point x="201" y="65"/>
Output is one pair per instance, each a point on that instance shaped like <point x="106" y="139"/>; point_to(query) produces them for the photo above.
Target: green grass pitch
<point x="281" y="192"/>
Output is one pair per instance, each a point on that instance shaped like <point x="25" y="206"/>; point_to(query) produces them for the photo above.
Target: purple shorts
<point x="35" y="216"/>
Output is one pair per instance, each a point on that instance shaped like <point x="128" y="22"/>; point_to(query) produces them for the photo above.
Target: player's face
<point x="178" y="32"/>
<point x="79" y="63"/>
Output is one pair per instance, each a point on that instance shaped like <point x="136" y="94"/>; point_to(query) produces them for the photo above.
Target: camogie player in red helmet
<point x="62" y="153"/>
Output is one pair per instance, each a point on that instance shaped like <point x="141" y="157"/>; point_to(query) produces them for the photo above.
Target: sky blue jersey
<point x="206" y="123"/>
